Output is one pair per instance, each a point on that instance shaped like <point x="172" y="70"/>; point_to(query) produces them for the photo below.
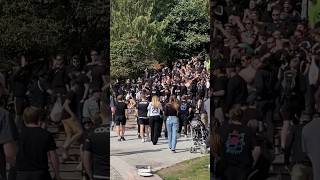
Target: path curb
<point x="128" y="172"/>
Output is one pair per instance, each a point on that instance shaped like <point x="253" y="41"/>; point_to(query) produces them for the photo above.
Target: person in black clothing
<point x="237" y="91"/>
<point x="266" y="88"/>
<point x="184" y="113"/>
<point x="143" y="118"/>
<point x="219" y="92"/>
<point x="238" y="143"/>
<point x="97" y="70"/>
<point x="120" y="117"/>
<point x="20" y="87"/>
<point x="96" y="157"/>
<point x="35" y="147"/>
<point x="58" y="77"/>
<point x="292" y="103"/>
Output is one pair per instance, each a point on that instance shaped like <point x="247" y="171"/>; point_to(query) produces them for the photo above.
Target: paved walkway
<point x="125" y="155"/>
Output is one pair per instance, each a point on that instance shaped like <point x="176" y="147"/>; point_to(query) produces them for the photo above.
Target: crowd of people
<point x="266" y="70"/>
<point x="69" y="93"/>
<point x="165" y="100"/>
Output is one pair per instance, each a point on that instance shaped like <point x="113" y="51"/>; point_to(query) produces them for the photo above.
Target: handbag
<point x="56" y="112"/>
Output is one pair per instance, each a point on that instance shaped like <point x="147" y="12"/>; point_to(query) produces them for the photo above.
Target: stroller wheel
<point x="203" y="150"/>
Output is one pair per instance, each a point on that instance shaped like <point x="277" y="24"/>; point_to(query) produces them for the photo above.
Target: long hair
<point x="155" y="101"/>
<point x="132" y="103"/>
<point x="173" y="102"/>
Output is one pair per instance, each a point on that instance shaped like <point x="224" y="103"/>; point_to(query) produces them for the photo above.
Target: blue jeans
<point x="172" y="127"/>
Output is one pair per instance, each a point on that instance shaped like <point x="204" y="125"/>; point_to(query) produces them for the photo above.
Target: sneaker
<point x="123" y="138"/>
<point x="119" y="139"/>
<point x="143" y="140"/>
<point x="174" y="151"/>
<point x="185" y="136"/>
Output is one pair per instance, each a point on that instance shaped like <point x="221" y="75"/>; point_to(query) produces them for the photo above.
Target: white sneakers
<point x="145" y="140"/>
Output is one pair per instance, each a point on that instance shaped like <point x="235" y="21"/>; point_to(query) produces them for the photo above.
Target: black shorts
<point x="120" y="120"/>
<point x="144" y="121"/>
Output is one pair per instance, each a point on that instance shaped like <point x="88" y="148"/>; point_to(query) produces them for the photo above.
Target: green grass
<point x="314" y="12"/>
<point x="195" y="169"/>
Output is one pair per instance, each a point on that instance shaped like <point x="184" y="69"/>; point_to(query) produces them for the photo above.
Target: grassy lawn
<point x="195" y="169"/>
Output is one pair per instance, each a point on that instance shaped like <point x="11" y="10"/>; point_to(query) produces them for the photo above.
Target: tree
<point x="40" y="27"/>
<point x="187" y="30"/>
<point x="155" y="31"/>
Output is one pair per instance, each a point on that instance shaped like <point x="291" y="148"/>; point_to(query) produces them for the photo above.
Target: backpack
<point x="288" y="83"/>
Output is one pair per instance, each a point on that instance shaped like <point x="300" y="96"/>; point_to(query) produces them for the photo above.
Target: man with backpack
<point x="184" y="113"/>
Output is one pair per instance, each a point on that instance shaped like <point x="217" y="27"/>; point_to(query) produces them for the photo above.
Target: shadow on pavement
<point x="137" y="152"/>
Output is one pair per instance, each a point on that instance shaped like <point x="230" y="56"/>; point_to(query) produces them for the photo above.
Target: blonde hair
<point x="155" y="101"/>
<point x="132" y="103"/>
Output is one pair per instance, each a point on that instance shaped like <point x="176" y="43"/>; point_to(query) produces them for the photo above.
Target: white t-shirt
<point x="153" y="111"/>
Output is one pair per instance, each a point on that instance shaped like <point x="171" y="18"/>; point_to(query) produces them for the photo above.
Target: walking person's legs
<point x="165" y="127"/>
<point x="152" y="126"/>
<point x="180" y="125"/>
<point x="77" y="131"/>
<point x="169" y="130"/>
<point x="138" y="123"/>
<point x="142" y="129"/>
<point x="157" y="130"/>
<point x="175" y="126"/>
<point x="68" y="132"/>
<point x="185" y="125"/>
<point x="123" y="127"/>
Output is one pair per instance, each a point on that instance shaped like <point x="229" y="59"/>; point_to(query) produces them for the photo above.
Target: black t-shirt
<point x="237" y="91"/>
<point x="38" y="94"/>
<point x="98" y="144"/>
<point x="143" y="108"/>
<point x="33" y="146"/>
<point x="170" y="111"/>
<point x="184" y="108"/>
<point x="120" y="108"/>
<point x="20" y="82"/>
<point x="97" y="71"/>
<point x="238" y="142"/>
<point x="221" y="83"/>
<point x="184" y="90"/>
<point x="59" y="78"/>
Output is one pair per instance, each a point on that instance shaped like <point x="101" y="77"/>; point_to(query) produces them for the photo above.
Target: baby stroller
<point x="199" y="135"/>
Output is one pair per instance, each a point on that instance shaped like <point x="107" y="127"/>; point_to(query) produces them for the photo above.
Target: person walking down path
<point x="143" y="118"/>
<point x="155" y="121"/>
<point x="185" y="111"/>
<point x="120" y="117"/>
<point x="171" y="111"/>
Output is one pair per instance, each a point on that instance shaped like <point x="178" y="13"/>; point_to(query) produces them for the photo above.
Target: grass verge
<point x="195" y="169"/>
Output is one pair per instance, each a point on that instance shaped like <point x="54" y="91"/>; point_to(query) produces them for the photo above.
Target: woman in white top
<point x="155" y="120"/>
